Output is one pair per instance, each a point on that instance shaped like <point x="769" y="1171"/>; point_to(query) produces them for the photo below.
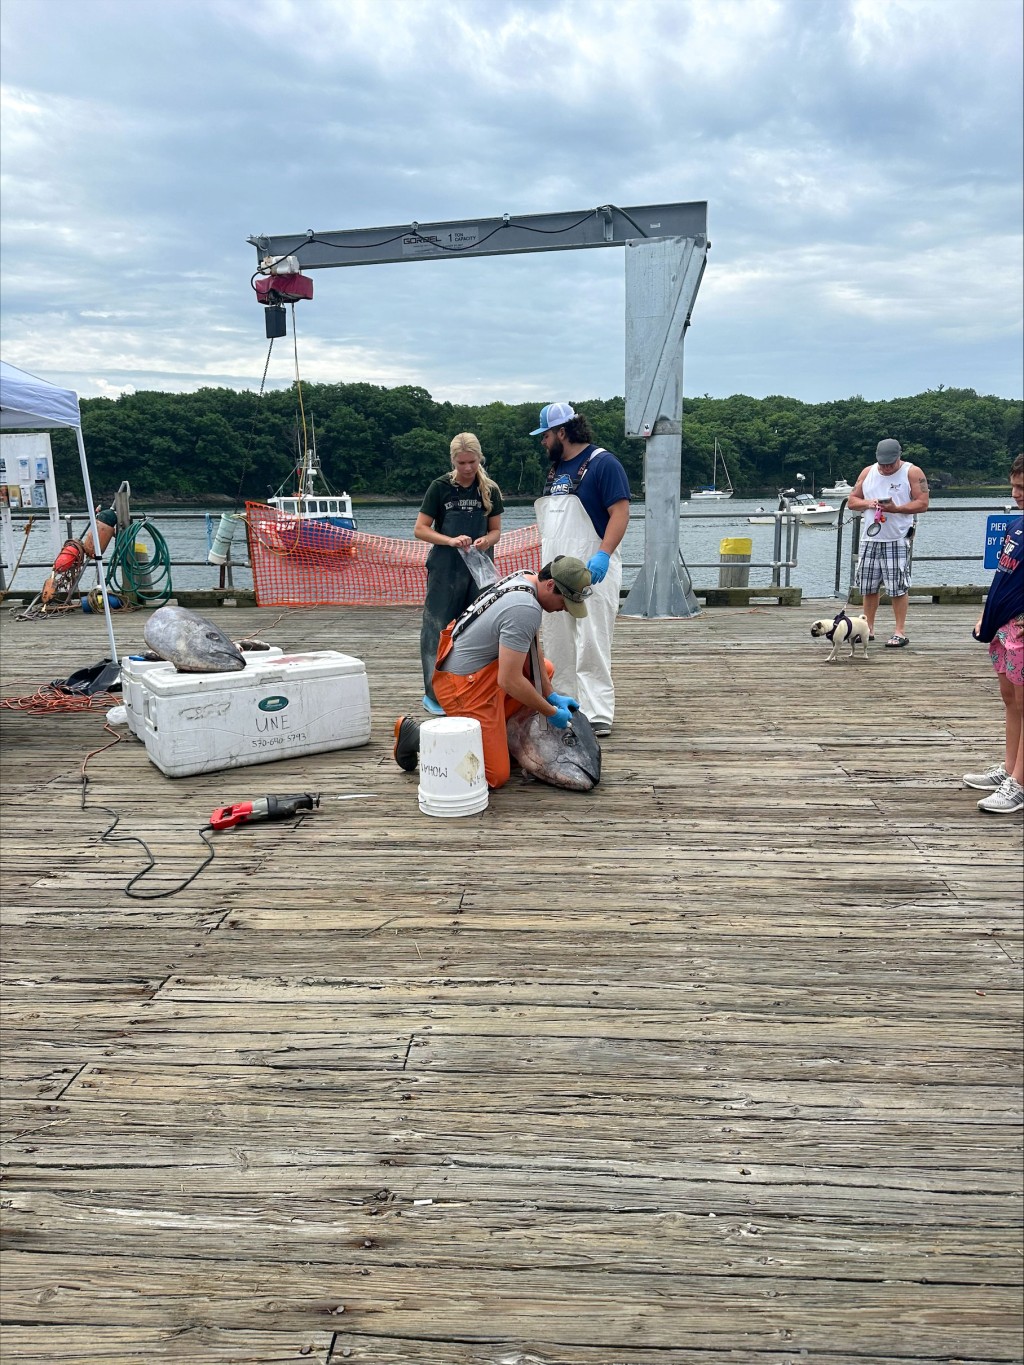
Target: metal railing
<point x="784" y="558"/>
<point x="785" y="546"/>
<point x="785" y="549"/>
<point x="232" y="562"/>
<point x="855" y="520"/>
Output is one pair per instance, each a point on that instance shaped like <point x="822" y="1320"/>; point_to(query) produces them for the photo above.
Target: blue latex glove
<point x="598" y="566"/>
<point x="556" y="699"/>
<point x="561" y="718"/>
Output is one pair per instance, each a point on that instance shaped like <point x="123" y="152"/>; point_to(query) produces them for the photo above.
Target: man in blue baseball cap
<point x="584" y="512"/>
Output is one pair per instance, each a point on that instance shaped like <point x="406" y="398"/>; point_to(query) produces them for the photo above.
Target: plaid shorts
<point x="884" y="561"/>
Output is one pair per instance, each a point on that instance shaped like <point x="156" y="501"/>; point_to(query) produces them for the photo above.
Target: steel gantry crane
<point x="666" y="249"/>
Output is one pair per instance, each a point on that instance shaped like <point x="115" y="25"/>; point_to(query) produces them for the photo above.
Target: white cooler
<point x="282" y="707"/>
<point x="134" y="671"/>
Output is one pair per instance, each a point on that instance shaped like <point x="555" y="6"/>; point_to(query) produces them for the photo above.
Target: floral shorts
<point x="1007" y="651"/>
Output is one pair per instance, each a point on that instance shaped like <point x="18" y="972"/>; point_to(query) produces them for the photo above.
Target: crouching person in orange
<point x="483" y="661"/>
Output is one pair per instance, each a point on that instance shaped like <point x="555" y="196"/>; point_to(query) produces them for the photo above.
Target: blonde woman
<point x="459" y="510"/>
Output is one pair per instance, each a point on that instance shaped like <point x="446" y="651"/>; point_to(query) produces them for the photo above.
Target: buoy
<point x="71" y="552"/>
<point x="106" y="525"/>
<point x="221" y="546"/>
<point x="93" y="602"/>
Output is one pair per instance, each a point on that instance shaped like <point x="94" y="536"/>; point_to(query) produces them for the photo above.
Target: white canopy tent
<point x="29" y="402"/>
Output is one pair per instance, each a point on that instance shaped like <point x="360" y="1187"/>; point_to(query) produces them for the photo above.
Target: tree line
<point x="220" y="443"/>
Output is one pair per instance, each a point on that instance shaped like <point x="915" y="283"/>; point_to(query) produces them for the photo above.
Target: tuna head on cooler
<point x="191" y="643"/>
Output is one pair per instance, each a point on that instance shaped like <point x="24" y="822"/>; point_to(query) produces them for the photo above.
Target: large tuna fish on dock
<point x="191" y="643"/>
<point x="569" y="758"/>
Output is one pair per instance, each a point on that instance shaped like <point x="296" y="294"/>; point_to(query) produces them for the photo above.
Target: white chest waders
<point x="581" y="651"/>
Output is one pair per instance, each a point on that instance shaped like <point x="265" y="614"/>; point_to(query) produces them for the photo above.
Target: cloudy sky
<point x="861" y="161"/>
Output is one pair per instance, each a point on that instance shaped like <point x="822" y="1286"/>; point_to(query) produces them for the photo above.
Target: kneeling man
<point x="483" y="661"/>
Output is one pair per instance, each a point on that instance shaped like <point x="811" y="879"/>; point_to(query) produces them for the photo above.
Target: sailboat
<point x="711" y="490"/>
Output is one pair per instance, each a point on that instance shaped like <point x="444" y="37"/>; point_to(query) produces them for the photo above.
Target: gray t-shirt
<point x="512" y="621"/>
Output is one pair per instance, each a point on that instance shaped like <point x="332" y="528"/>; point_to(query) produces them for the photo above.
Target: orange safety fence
<point x="311" y="563"/>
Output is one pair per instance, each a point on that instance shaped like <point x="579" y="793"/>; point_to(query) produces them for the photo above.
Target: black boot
<point x="407" y="743"/>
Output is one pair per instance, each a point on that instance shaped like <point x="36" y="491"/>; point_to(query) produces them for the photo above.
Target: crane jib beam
<point x="598" y="227"/>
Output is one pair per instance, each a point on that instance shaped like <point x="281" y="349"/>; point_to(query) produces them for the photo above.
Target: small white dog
<point x="843" y="629"/>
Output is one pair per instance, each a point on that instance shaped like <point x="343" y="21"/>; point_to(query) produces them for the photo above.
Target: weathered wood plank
<point x="966" y="1149"/>
<point x="496" y="1235"/>
<point x="620" y="1312"/>
<point x="138" y="1345"/>
<point x="208" y="1346"/>
<point x="315" y="1025"/>
<point x="679" y="1097"/>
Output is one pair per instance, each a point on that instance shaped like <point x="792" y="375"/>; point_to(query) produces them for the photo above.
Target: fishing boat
<point x="711" y="491"/>
<point x="807" y="509"/>
<point x="312" y="516"/>
<point x="840" y="489"/>
<point x="312" y="499"/>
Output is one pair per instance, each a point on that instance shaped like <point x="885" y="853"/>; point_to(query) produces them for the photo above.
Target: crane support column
<point x="662" y="279"/>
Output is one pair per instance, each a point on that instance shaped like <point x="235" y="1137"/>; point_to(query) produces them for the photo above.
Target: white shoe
<point x="987" y="782"/>
<point x="601" y="728"/>
<point x="1007" y="799"/>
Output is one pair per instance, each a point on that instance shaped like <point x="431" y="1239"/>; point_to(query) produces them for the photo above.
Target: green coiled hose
<point x="143" y="579"/>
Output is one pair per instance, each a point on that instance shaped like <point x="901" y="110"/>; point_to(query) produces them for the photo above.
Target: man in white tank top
<point x="890" y="493"/>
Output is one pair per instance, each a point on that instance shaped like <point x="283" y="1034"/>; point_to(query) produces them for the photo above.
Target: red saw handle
<point x="226" y="816"/>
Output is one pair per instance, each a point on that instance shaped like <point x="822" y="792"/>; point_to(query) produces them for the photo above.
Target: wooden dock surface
<point x="719" y="1063"/>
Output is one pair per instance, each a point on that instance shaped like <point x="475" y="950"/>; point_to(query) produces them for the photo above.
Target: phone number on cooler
<point x="278" y="741"/>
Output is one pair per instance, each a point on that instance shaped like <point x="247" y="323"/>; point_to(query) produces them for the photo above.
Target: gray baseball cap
<point x="888" y="451"/>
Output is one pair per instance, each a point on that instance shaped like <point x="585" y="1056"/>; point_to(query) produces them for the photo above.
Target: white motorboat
<point x="840" y="489"/>
<point x="711" y="491"/>
<point x="808" y="510"/>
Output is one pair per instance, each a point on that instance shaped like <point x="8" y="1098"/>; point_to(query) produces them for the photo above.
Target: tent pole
<point x="96" y="542"/>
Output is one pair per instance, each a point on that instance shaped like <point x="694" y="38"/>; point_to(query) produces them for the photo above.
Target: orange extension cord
<point x="50" y="701"/>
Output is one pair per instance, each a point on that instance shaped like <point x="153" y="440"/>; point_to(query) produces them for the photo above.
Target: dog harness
<point x="830" y="634"/>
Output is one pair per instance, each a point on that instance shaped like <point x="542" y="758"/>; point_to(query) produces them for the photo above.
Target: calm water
<point x="947" y="529"/>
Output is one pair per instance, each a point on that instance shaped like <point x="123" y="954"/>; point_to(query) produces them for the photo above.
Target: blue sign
<point x="995" y="534"/>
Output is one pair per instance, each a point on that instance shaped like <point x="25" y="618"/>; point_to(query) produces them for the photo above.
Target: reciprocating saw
<point x="265" y="808"/>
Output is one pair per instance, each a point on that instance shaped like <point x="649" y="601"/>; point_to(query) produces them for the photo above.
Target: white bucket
<point x="452" y="780"/>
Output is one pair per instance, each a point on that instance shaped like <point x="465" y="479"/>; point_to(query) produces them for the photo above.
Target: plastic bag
<point x="481" y="567"/>
<point x="101" y="677"/>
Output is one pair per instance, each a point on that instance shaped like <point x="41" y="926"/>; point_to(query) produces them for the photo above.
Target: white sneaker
<point x="987" y="782"/>
<point x="1008" y="798"/>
